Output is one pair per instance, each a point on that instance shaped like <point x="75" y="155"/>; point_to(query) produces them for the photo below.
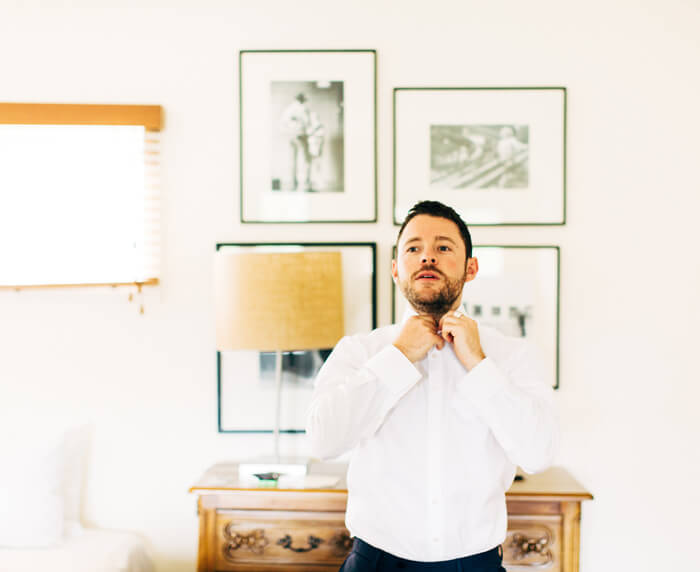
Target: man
<point x="295" y="123"/>
<point x="315" y="136"/>
<point x="438" y="412"/>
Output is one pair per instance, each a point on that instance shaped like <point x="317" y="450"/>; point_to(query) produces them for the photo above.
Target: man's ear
<point x="472" y="269"/>
<point x="394" y="271"/>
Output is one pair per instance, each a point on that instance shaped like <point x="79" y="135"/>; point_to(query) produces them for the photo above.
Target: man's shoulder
<point x="374" y="341"/>
<point x="380" y="335"/>
<point x="498" y="345"/>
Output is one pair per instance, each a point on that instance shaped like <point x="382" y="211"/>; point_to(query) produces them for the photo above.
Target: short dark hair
<point x="437" y="209"/>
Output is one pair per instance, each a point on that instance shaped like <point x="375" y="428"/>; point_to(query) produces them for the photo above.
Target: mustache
<point x="428" y="269"/>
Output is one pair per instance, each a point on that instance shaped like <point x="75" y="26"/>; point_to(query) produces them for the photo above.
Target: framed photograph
<point x="496" y="155"/>
<point x="308" y="136"/>
<point x="515" y="291"/>
<point x="246" y="379"/>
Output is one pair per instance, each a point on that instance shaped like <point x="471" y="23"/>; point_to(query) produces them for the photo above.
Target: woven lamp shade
<point x="278" y="300"/>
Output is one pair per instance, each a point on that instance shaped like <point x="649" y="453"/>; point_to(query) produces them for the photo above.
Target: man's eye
<point x="412" y="249"/>
<point x="444" y="248"/>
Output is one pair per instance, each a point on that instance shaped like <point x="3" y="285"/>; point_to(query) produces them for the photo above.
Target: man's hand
<point x="463" y="333"/>
<point x="417" y="336"/>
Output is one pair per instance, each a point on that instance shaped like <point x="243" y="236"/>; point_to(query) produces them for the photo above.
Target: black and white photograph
<point x="247" y="378"/>
<point x="497" y="155"/>
<point x="307" y="141"/>
<point x="479" y="156"/>
<point x="307" y="136"/>
<point x="297" y="366"/>
<point x="517" y="293"/>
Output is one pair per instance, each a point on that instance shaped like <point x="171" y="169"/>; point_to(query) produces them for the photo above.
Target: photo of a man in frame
<point x="307" y="140"/>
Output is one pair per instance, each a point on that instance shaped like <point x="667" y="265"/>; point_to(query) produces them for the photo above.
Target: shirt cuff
<point x="393" y="369"/>
<point x="483" y="381"/>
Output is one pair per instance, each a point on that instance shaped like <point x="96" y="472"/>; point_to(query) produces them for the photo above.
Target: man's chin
<point x="427" y="304"/>
<point x="431" y="289"/>
<point x="426" y="297"/>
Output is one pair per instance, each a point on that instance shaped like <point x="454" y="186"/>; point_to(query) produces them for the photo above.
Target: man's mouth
<point x="427" y="276"/>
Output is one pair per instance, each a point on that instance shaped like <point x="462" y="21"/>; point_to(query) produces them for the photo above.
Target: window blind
<point x="79" y="194"/>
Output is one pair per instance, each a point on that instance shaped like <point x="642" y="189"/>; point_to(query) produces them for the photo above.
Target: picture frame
<point x="246" y="379"/>
<point x="497" y="155"/>
<point x="516" y="291"/>
<point x="308" y="124"/>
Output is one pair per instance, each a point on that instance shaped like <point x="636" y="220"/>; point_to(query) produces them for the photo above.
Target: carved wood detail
<point x="341" y="543"/>
<point x="255" y="541"/>
<point x="523" y="545"/>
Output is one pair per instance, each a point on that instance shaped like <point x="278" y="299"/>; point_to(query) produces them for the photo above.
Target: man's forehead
<point x="436" y="238"/>
<point x="426" y="227"/>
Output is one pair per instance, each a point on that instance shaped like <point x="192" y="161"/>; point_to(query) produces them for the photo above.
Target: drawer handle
<point x="286" y="542"/>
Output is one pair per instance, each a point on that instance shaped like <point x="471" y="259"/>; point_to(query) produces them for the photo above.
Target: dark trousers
<point x="366" y="558"/>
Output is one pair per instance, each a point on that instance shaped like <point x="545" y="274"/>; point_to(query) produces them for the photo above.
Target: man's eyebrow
<point x="439" y="237"/>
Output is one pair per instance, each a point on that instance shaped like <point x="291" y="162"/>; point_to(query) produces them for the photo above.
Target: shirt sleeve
<point x="353" y="394"/>
<point x="518" y="406"/>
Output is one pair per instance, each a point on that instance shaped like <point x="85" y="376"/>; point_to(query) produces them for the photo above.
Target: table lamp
<point x="278" y="302"/>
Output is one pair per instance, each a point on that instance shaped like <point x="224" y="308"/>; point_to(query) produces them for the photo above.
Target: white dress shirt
<point x="434" y="447"/>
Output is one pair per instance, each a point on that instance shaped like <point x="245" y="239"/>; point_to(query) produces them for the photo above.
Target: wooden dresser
<point x="300" y="527"/>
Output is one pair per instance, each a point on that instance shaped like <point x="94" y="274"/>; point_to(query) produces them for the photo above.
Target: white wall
<point x="630" y="272"/>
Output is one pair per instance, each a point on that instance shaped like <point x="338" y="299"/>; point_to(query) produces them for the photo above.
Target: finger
<point x="450" y="324"/>
<point x="456" y="324"/>
<point x="437" y="341"/>
<point x="449" y="319"/>
<point x="448" y="331"/>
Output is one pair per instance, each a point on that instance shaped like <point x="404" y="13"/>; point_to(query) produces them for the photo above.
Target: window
<point x="79" y="194"/>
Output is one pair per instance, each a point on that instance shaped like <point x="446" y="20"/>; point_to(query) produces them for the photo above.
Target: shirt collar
<point x="408" y="312"/>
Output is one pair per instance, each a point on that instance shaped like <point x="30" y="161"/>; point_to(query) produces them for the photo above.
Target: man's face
<point x="430" y="266"/>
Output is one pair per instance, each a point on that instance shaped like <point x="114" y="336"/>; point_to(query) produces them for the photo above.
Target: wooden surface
<point x="554" y="482"/>
<point x="299" y="526"/>
<point x="149" y="282"/>
<point x="150" y="116"/>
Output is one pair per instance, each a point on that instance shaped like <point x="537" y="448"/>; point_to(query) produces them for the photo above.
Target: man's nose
<point x="428" y="257"/>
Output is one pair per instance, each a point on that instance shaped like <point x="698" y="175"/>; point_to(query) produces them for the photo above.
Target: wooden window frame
<point x="148" y="116"/>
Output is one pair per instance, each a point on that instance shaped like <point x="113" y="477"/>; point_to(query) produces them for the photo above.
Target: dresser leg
<point x="571" y="531"/>
<point x="207" y="539"/>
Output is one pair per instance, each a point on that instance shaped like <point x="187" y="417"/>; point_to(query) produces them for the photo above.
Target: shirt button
<point x="435" y="538"/>
<point x="434" y="501"/>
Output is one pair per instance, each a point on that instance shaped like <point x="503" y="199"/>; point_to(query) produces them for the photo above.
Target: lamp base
<point x="287" y="466"/>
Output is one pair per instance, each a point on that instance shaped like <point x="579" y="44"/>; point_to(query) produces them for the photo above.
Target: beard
<point x="434" y="303"/>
